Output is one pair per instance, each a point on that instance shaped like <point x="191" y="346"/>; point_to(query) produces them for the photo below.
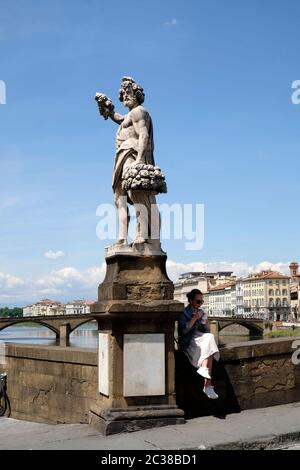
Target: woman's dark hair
<point x="191" y="295"/>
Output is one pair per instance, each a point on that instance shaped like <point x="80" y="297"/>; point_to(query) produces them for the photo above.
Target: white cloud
<point x="69" y="282"/>
<point x="63" y="284"/>
<point x="8" y="202"/>
<point x="239" y="268"/>
<point x="173" y="22"/>
<point x="9" y="282"/>
<point x="54" y="254"/>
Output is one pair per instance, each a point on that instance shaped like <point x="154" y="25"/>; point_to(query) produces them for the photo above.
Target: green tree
<point x="11" y="312"/>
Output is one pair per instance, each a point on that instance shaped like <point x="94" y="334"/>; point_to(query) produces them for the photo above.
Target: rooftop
<point x="266" y="275"/>
<point x="224" y="286"/>
<point x="194" y="274"/>
<point x="48" y="302"/>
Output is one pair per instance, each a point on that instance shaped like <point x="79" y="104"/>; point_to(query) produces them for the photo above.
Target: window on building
<point x="284" y="302"/>
<point x="277" y="291"/>
<point x="284" y="292"/>
<point x="278" y="302"/>
<point x="271" y="302"/>
<point x="271" y="291"/>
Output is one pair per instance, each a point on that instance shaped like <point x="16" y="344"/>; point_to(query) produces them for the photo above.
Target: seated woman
<point x="196" y="341"/>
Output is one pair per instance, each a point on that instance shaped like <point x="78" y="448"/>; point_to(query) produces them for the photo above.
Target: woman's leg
<point x="207" y="363"/>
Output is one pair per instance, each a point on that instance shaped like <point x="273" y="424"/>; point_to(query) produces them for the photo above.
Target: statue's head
<point x="131" y="94"/>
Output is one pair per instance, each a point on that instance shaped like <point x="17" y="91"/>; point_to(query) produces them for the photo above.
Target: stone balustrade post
<point x="214" y="329"/>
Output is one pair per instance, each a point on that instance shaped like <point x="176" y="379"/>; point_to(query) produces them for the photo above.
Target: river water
<point x="86" y="336"/>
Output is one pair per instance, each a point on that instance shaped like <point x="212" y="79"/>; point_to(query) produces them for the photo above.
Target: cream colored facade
<point x="263" y="295"/>
<point x="202" y="281"/>
<point x="295" y="291"/>
<point x="222" y="300"/>
<point x="49" y="307"/>
<point x="295" y="302"/>
<point x="239" y="288"/>
<point x="27" y="311"/>
<point x="45" y="307"/>
<point x="79" y="307"/>
<point x="267" y="296"/>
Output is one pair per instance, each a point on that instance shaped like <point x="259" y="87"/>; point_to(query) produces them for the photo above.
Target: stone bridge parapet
<point x="61" y="325"/>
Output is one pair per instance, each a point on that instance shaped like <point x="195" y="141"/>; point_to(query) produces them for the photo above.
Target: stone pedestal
<point x="136" y="316"/>
<point x="132" y="276"/>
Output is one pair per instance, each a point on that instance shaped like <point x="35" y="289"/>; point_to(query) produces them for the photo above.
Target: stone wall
<point x="262" y="372"/>
<point x="60" y="385"/>
<point x="253" y="374"/>
<point x="51" y="384"/>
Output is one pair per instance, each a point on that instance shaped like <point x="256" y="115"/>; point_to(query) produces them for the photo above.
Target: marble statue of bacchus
<point x="136" y="179"/>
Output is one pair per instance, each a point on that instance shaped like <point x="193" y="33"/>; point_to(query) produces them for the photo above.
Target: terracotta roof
<point x="266" y="275"/>
<point x="222" y="286"/>
<point x="48" y="302"/>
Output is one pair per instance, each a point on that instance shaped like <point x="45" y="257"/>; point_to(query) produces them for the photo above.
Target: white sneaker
<point x="209" y="391"/>
<point x="204" y="372"/>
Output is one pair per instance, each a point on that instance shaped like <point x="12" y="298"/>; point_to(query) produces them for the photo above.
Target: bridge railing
<point x="235" y="317"/>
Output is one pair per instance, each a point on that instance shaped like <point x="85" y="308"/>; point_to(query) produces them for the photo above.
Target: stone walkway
<point x="265" y="428"/>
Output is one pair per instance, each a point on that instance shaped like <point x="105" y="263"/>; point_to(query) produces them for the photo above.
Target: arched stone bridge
<point x="62" y="326"/>
<point x="254" y="325"/>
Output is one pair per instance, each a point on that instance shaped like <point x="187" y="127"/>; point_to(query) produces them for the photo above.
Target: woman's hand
<point x="194" y="318"/>
<point x="198" y="314"/>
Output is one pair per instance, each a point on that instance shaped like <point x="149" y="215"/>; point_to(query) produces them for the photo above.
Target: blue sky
<point x="217" y="77"/>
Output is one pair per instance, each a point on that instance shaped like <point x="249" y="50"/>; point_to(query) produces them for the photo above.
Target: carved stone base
<point x="136" y="314"/>
<point x="135" y="276"/>
<point x="117" y="420"/>
<point x="149" y="248"/>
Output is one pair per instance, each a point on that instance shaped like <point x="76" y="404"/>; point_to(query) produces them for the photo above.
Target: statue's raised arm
<point x="105" y="105"/>
<point x="107" y="109"/>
